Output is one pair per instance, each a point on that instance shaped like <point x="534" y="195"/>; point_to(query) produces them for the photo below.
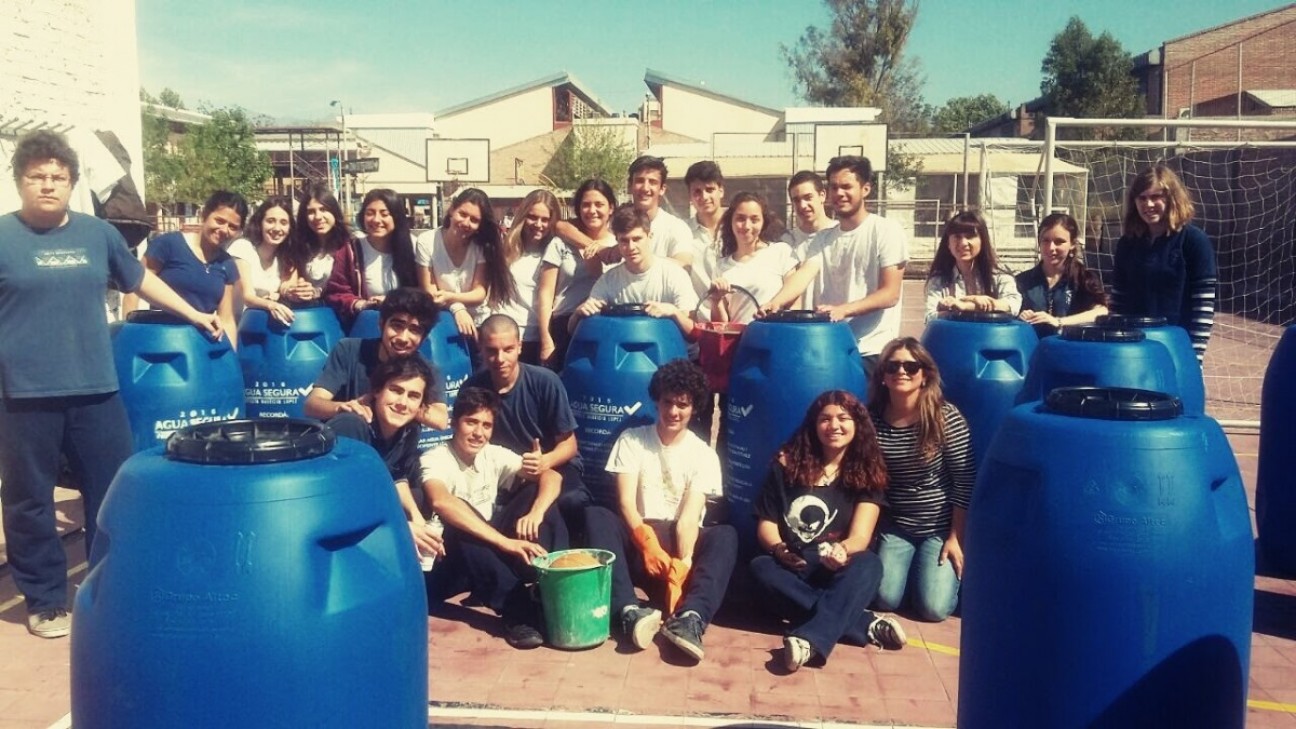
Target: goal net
<point x="1242" y="179"/>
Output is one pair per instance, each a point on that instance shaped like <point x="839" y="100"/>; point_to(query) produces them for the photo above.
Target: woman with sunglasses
<point x="928" y="453"/>
<point x="815" y="519"/>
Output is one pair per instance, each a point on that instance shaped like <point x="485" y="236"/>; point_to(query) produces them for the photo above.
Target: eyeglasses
<point x="53" y="180"/>
<point x="894" y="366"/>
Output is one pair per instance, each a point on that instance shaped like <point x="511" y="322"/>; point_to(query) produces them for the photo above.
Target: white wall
<point x="504" y="122"/>
<point x="698" y="116"/>
<point x="73" y="63"/>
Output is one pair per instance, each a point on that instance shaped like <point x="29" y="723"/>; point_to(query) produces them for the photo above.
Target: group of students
<point x="519" y="294"/>
<point x="1163" y="267"/>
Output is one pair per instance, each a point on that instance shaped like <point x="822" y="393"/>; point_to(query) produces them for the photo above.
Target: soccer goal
<point x="1242" y="177"/>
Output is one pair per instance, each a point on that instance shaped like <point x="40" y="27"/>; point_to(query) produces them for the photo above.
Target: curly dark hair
<point x="42" y="146"/>
<point x="679" y="377"/>
<point x="414" y="302"/>
<point x="863" y="467"/>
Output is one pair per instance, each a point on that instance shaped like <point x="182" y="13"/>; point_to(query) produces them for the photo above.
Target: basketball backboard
<point x="465" y="160"/>
<point x="850" y="138"/>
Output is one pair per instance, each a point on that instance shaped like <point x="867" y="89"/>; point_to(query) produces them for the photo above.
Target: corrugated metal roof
<point x="954" y="145"/>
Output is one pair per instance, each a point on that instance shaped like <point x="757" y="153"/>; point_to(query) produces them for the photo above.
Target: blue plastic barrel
<point x="611" y="359"/>
<point x="444" y="347"/>
<point x="983" y="358"/>
<point x="171" y="376"/>
<point x="1276" y="478"/>
<point x="281" y="362"/>
<point x="1092" y="356"/>
<point x="257" y="574"/>
<point x="783" y="363"/>
<point x="1188" y="371"/>
<point x="1110" y="569"/>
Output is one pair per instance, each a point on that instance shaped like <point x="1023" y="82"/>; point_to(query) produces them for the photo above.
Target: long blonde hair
<point x="931" y="423"/>
<point x="513" y="248"/>
<point x="1179" y="206"/>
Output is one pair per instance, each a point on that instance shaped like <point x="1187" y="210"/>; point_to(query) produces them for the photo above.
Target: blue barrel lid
<point x="1093" y="333"/>
<point x="234" y="442"/>
<point x="796" y="316"/>
<point x="154" y="316"/>
<point x="1113" y="403"/>
<point x="1120" y="321"/>
<point x="988" y="317"/>
<point x="625" y="310"/>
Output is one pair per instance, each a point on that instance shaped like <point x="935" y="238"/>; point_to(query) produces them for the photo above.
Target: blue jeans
<point x="823" y="605"/>
<point x="911" y="565"/>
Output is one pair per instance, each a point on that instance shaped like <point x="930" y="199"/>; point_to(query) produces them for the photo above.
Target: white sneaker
<point x="54" y="623"/>
<point x="887" y="633"/>
<point x="796" y="653"/>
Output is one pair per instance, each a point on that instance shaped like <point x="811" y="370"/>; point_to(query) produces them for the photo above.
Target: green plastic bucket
<point x="576" y="599"/>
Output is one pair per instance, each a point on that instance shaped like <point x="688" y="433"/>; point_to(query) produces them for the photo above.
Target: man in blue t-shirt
<point x="406" y="316"/>
<point x="58" y="385"/>
<point x="398" y="391"/>
<point x="533" y="409"/>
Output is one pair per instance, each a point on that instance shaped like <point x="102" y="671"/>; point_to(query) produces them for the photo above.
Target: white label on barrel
<point x="264" y="394"/>
<point x="162" y="429"/>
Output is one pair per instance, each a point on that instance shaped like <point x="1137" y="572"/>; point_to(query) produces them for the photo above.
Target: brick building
<point x="1231" y="70"/>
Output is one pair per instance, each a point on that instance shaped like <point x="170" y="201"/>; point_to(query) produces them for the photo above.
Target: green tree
<point x="221" y="154"/>
<point x="1090" y="77"/>
<point x="859" y="61"/>
<point x="590" y="150"/>
<point x="162" y="167"/>
<point x="962" y="112"/>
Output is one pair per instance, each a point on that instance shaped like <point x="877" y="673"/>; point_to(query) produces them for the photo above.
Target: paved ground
<point x="476" y="680"/>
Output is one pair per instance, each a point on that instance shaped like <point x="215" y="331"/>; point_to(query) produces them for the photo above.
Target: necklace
<point x="829" y="472"/>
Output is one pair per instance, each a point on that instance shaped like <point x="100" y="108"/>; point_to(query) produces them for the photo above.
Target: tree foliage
<point x="590" y="150"/>
<point x="188" y="165"/>
<point x="859" y="61"/>
<point x="1091" y="77"/>
<point x="962" y="112"/>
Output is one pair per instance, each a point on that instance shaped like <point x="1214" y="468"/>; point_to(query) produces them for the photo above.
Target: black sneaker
<point x="640" y="624"/>
<point x="685" y="632"/>
<point x="523" y="636"/>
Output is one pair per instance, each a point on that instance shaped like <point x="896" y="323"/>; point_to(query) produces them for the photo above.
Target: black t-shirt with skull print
<point x="809" y="515"/>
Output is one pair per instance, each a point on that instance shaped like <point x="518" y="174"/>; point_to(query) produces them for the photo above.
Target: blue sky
<point x="289" y="58"/>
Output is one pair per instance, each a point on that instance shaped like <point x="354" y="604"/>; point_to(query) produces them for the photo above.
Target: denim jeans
<point x="910" y="565"/>
<point x="824" y="605"/>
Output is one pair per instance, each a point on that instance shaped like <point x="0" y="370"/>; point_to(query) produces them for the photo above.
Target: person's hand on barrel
<point x="209" y="323"/>
<point x="590" y="307"/>
<point x="835" y="313"/>
<point x="659" y="310"/>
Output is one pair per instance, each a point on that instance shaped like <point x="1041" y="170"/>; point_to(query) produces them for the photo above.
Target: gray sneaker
<point x="796" y="653"/>
<point x="887" y="633"/>
<point x="640" y="624"/>
<point x="54" y="623"/>
<point x="685" y="632"/>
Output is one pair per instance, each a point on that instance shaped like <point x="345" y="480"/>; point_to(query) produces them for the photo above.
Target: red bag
<point x="717" y="342"/>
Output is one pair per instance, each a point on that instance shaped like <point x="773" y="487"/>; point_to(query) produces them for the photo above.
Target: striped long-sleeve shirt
<point x="922" y="492"/>
<point x="1173" y="276"/>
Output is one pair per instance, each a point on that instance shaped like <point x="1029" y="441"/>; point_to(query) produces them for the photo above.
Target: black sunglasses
<point x="893" y="366"/>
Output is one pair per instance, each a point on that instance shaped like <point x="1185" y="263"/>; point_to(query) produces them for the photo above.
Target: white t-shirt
<point x="430" y="252"/>
<point x="800" y="240"/>
<point x="526" y="274"/>
<point x="265" y="280"/>
<point x="574" y="279"/>
<point x="761" y="273"/>
<point x="665" y="282"/>
<point x="379" y="276"/>
<point x="670" y="235"/>
<point x="480" y="483"/>
<point x="849" y="266"/>
<point x="706" y="255"/>
<point x="318" y="269"/>
<point x="665" y="473"/>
